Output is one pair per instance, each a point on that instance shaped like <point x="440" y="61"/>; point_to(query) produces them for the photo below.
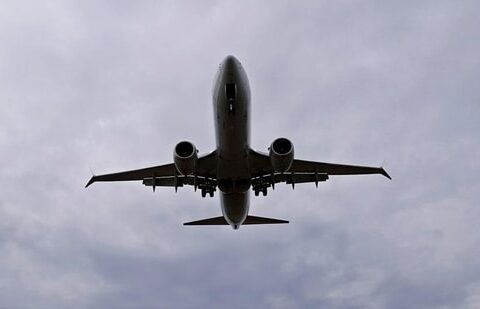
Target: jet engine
<point x="281" y="154"/>
<point x="185" y="157"/>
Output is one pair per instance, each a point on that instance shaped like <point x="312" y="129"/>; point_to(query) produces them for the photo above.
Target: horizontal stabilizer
<point x="262" y="220"/>
<point x="210" y="221"/>
<point x="248" y="220"/>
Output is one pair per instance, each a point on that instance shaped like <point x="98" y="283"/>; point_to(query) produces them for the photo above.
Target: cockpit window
<point x="230" y="91"/>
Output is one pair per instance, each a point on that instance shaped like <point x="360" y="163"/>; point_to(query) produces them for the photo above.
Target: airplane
<point x="233" y="167"/>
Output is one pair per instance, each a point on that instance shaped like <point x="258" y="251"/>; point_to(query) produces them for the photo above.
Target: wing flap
<point x="180" y="181"/>
<point x="258" y="183"/>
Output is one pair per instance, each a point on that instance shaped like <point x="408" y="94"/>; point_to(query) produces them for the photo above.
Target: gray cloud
<point x="114" y="85"/>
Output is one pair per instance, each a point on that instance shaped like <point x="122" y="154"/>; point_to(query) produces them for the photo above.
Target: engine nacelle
<point x="185" y="157"/>
<point x="281" y="154"/>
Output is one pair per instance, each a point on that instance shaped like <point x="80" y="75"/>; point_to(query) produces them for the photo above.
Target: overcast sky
<point x="114" y="85"/>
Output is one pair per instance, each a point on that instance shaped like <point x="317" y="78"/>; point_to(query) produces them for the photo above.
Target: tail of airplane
<point x="249" y="220"/>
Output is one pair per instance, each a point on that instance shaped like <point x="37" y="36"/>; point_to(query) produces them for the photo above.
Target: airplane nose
<point x="230" y="64"/>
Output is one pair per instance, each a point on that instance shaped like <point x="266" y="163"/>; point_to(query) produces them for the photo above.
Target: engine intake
<point x="281" y="154"/>
<point x="185" y="157"/>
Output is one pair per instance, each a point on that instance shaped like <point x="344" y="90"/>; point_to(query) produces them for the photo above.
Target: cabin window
<point x="231" y="91"/>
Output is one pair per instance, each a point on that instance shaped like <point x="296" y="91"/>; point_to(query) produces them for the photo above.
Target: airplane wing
<point x="206" y="166"/>
<point x="336" y="169"/>
<point x="302" y="171"/>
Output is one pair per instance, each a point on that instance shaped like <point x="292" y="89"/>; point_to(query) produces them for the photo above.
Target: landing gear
<point x="258" y="190"/>
<point x="207" y="190"/>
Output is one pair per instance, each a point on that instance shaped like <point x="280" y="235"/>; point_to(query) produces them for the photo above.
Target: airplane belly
<point x="232" y="141"/>
<point x="232" y="131"/>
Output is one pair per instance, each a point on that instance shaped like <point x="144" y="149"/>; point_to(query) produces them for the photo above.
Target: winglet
<point x="92" y="180"/>
<point x="384" y="173"/>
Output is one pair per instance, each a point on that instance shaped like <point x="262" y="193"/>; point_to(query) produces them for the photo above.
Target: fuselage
<point x="231" y="105"/>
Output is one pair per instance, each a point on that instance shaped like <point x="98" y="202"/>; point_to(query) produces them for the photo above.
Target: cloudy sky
<point x="114" y="85"/>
